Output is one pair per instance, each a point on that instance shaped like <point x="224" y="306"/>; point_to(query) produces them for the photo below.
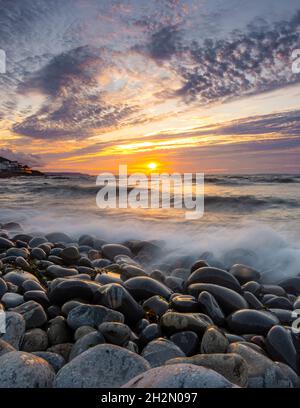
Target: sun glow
<point x="152" y="166"/>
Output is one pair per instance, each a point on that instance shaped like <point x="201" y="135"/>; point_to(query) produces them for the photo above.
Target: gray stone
<point x="58" y="331"/>
<point x="173" y="322"/>
<point x="158" y="351"/>
<point x="56" y="361"/>
<point x="11" y="300"/>
<point x="187" y="341"/>
<point x="144" y="287"/>
<point x="214" y="276"/>
<point x="115" y="333"/>
<point x="82" y="331"/>
<point x="92" y="315"/>
<point x="103" y="366"/>
<point x="33" y="314"/>
<point x="70" y="255"/>
<point x="5" y="244"/>
<point x="15" y="329"/>
<point x="63" y="350"/>
<point x="57" y="271"/>
<point x="231" y="366"/>
<point x="250" y="321"/>
<point x="3" y="287"/>
<point x="23" y="370"/>
<point x="111" y="250"/>
<point x="213" y="341"/>
<point x="35" y="340"/>
<point x="86" y="342"/>
<point x="244" y="273"/>
<point x="38" y="253"/>
<point x="5" y="347"/>
<point x="179" y="376"/>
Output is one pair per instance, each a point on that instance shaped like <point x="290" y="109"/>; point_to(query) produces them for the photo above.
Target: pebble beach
<point x="81" y="312"/>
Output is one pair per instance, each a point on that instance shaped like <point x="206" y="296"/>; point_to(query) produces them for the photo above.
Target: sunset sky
<point x="195" y="85"/>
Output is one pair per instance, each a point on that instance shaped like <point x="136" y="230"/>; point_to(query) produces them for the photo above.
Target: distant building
<point x="11" y="168"/>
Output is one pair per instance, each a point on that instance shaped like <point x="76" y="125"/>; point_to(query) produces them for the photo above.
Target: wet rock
<point x="199" y="264"/>
<point x="142" y="288"/>
<point x="56" y="361"/>
<point x="157" y="275"/>
<point x="175" y="284"/>
<point x="115" y="333"/>
<point x="82" y="331"/>
<point x="38" y="253"/>
<point x="244" y="273"/>
<point x="158" y="351"/>
<point x="33" y="314"/>
<point x="156" y="304"/>
<point x="116" y="297"/>
<point x="5" y="244"/>
<point x="253" y="287"/>
<point x="63" y="350"/>
<point x="11" y="300"/>
<point x="70" y="289"/>
<point x="187" y="341"/>
<point x="58" y="237"/>
<point x="68" y="306"/>
<point x="280" y="346"/>
<point x="35" y="340"/>
<point x="214" y="276"/>
<point x="291" y="285"/>
<point x="18" y="278"/>
<point x="251" y="321"/>
<point x="231" y="366"/>
<point x="23" y="370"/>
<point x="252" y="301"/>
<point x="228" y="299"/>
<point x="57" y="271"/>
<point x="105" y="279"/>
<point x="36" y="241"/>
<point x="209" y="306"/>
<point x="92" y="315"/>
<point x="103" y="366"/>
<point x="70" y="255"/>
<point x="149" y="333"/>
<point x="5" y="347"/>
<point x="3" y="287"/>
<point x="131" y="271"/>
<point x="285" y="317"/>
<point x="273" y="290"/>
<point x="179" y="376"/>
<point x="263" y="372"/>
<point x="173" y="322"/>
<point x="22" y="263"/>
<point x="279" y="302"/>
<point x="109" y="251"/>
<point x="85" y="343"/>
<point x="213" y="341"/>
<point x="184" y="304"/>
<point x="239" y="256"/>
<point x="58" y="331"/>
<point x="38" y="296"/>
<point x="15" y="329"/>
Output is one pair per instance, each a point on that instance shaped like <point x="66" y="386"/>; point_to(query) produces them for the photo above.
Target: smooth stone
<point x="280" y="346"/>
<point x="252" y="301"/>
<point x="82" y="331"/>
<point x="131" y="271"/>
<point x="36" y="241"/>
<point x="214" y="276"/>
<point x="5" y="244"/>
<point x="213" y="341"/>
<point x="24" y="370"/>
<point x="175" y="284"/>
<point x="100" y="263"/>
<point x="15" y="329"/>
<point x="184" y="304"/>
<point x="251" y="321"/>
<point x="116" y="297"/>
<point x="179" y="376"/>
<point x="53" y="311"/>
<point x="12" y="226"/>
<point x="11" y="300"/>
<point x="150" y="332"/>
<point x="279" y="302"/>
<point x="233" y="338"/>
<point x="92" y="315"/>
<point x="231" y="366"/>
<point x="173" y="322"/>
<point x="56" y="361"/>
<point x="103" y="366"/>
<point x="140" y="326"/>
<point x="58" y="331"/>
<point x="244" y="273"/>
<point x="131" y="346"/>
<point x="105" y="279"/>
<point x="291" y="285"/>
<point x="253" y="287"/>
<point x="285" y="317"/>
<point x="58" y="237"/>
<point x="22" y="252"/>
<point x="187" y="341"/>
<point x="18" y="277"/>
<point x="182" y="273"/>
<point x="198" y="264"/>
<point x="296" y="304"/>
<point x="86" y="239"/>
<point x="156" y="304"/>
<point x="5" y="347"/>
<point x="22" y="237"/>
<point x="70" y="289"/>
<point x="63" y="350"/>
<point x="86" y="270"/>
<point x="56" y="271"/>
<point x="115" y="333"/>
<point x="38" y="296"/>
<point x="142" y="288"/>
<point x="109" y="251"/>
<point x="22" y="263"/>
<point x="68" y="306"/>
<point x="83" y="261"/>
<point x="46" y="248"/>
<point x="263" y="372"/>
<point x="33" y="314"/>
<point x="158" y="351"/>
<point x="158" y="275"/>
<point x="38" y="253"/>
<point x="35" y="340"/>
<point x="85" y="343"/>
<point x="70" y="255"/>
<point x="228" y="299"/>
<point x="209" y="306"/>
<point x="54" y="260"/>
<point x="273" y="290"/>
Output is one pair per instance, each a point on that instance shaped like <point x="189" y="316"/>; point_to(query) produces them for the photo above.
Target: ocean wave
<point x="251" y="179"/>
<point x="249" y="202"/>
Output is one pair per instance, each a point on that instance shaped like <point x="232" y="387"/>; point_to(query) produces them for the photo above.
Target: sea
<point x="251" y="219"/>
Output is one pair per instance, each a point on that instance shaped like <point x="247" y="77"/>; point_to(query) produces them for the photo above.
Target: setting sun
<point x="152" y="166"/>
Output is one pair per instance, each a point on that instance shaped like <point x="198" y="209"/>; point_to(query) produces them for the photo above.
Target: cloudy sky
<point x="193" y="85"/>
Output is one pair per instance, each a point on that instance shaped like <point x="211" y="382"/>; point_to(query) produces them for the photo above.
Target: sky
<point x="195" y="85"/>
